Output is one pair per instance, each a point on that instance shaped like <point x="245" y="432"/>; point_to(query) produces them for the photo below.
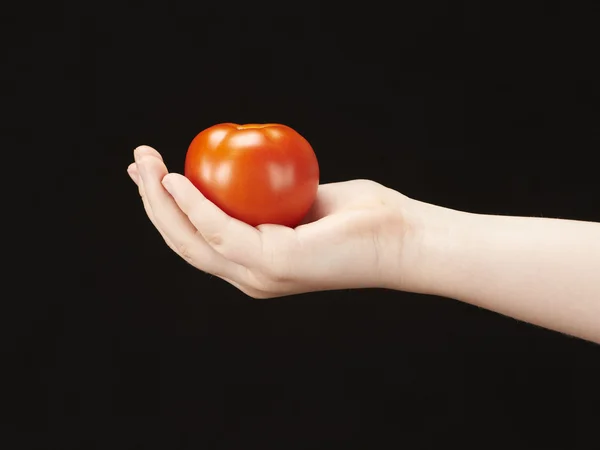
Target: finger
<point x="135" y="176"/>
<point x="145" y="150"/>
<point x="133" y="173"/>
<point x="174" y="223"/>
<point x="235" y="240"/>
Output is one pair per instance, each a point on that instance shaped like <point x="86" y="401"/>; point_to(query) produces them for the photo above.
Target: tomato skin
<point x="257" y="173"/>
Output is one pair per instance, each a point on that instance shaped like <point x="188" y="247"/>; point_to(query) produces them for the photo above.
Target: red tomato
<point x="257" y="173"/>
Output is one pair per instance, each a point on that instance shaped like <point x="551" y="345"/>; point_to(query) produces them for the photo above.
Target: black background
<point x="125" y="346"/>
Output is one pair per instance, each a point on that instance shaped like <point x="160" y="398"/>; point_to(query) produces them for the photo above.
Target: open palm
<point x="349" y="239"/>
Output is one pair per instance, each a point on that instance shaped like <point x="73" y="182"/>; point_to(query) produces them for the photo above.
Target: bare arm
<point x="361" y="234"/>
<point x="543" y="271"/>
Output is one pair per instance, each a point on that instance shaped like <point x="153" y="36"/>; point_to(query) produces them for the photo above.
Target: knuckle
<point x="217" y="242"/>
<point x="215" y="239"/>
<point x="262" y="284"/>
<point x="184" y="251"/>
<point x="364" y="184"/>
<point x="277" y="268"/>
<point x="275" y="274"/>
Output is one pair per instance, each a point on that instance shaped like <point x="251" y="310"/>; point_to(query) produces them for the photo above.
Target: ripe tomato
<point x="257" y="173"/>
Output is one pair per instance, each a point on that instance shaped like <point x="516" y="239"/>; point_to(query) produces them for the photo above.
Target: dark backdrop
<point x="125" y="346"/>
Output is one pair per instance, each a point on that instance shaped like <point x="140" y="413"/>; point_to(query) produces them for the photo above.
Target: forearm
<point x="543" y="271"/>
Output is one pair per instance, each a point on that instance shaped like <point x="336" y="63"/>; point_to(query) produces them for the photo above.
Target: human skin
<point x="360" y="234"/>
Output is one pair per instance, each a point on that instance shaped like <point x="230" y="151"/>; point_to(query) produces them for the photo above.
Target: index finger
<point x="234" y="239"/>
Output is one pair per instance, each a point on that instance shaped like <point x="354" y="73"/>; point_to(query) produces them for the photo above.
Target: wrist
<point x="432" y="239"/>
